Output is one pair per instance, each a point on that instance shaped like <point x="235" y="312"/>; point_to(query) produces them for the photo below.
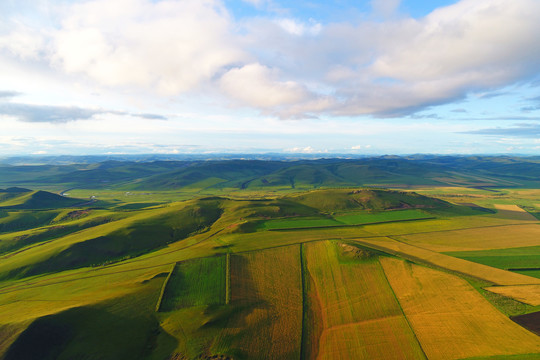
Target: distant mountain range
<point x="385" y="171"/>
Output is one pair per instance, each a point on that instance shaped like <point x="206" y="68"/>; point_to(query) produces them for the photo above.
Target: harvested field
<point x="266" y="290"/>
<point x="359" y="321"/>
<point x="450" y="318"/>
<point x="415" y="253"/>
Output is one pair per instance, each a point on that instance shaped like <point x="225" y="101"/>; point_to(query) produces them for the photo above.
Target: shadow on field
<point x="87" y="333"/>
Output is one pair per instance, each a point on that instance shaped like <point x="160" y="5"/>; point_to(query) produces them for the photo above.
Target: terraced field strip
<point x="266" y="291"/>
<point x="529" y="294"/>
<point x="450" y="318"/>
<point x="163" y="287"/>
<point x="196" y="282"/>
<point x="482" y="238"/>
<point x="358" y="218"/>
<point x="361" y="318"/>
<point x="415" y="253"/>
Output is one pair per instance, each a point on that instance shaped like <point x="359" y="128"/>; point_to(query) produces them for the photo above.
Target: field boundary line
<point x="304" y="303"/>
<point x="227" y="278"/>
<point x="163" y="287"/>
<point x="401" y="309"/>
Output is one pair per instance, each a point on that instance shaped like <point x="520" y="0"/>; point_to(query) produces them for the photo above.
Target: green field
<point x="346" y="219"/>
<point x="515" y="259"/>
<point x="195" y="282"/>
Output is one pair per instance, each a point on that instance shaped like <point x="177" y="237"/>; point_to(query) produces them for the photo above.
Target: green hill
<point x="40" y="199"/>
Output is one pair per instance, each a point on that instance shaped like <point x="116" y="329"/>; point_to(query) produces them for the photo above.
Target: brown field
<point x="450" y="318"/>
<point x="529" y="294"/>
<point x="359" y="321"/>
<point x="415" y="253"/>
<point x="529" y="321"/>
<point x="483" y="238"/>
<point x="266" y="288"/>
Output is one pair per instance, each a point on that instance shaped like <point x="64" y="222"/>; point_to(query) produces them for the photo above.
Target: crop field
<point x="481" y="238"/>
<point x="526" y="258"/>
<point x="350" y="218"/>
<point x="196" y="282"/>
<point x="415" y="253"/>
<point x="450" y="318"/>
<point x="266" y="290"/>
<point x="295" y="223"/>
<point x="361" y="321"/>
<point x="358" y="218"/>
<point x="528" y="294"/>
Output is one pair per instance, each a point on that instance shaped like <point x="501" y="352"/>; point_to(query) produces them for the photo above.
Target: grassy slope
<point x="40" y="200"/>
<point x="132" y="236"/>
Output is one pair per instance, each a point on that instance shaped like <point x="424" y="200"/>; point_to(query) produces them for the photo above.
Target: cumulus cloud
<point x="171" y="45"/>
<point x="258" y="86"/>
<point x="289" y="67"/>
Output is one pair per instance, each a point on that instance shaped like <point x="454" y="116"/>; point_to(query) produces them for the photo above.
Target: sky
<point x="253" y="76"/>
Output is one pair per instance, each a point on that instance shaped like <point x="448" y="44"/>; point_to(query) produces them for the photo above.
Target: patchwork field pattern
<point x="415" y="253"/>
<point x="450" y="318"/>
<point x="362" y="321"/>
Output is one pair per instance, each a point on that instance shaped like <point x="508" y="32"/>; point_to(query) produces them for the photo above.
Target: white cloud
<point x="297" y="28"/>
<point x="283" y="66"/>
<point x="258" y="86"/>
<point x="173" y="46"/>
<point x="385" y="7"/>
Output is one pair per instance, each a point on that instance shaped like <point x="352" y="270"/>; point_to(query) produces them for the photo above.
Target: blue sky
<point x="340" y="76"/>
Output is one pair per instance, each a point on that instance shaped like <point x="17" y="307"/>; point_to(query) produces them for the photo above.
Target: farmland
<point x="198" y="266"/>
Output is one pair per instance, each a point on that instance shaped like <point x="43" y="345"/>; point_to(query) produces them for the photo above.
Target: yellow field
<point x="357" y="303"/>
<point x="384" y="338"/>
<point x="267" y="288"/>
<point x="450" y="318"/>
<point x="491" y="274"/>
<point x="529" y="294"/>
<point x="485" y="238"/>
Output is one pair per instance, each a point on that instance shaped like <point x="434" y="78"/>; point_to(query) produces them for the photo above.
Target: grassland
<point x="238" y="291"/>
